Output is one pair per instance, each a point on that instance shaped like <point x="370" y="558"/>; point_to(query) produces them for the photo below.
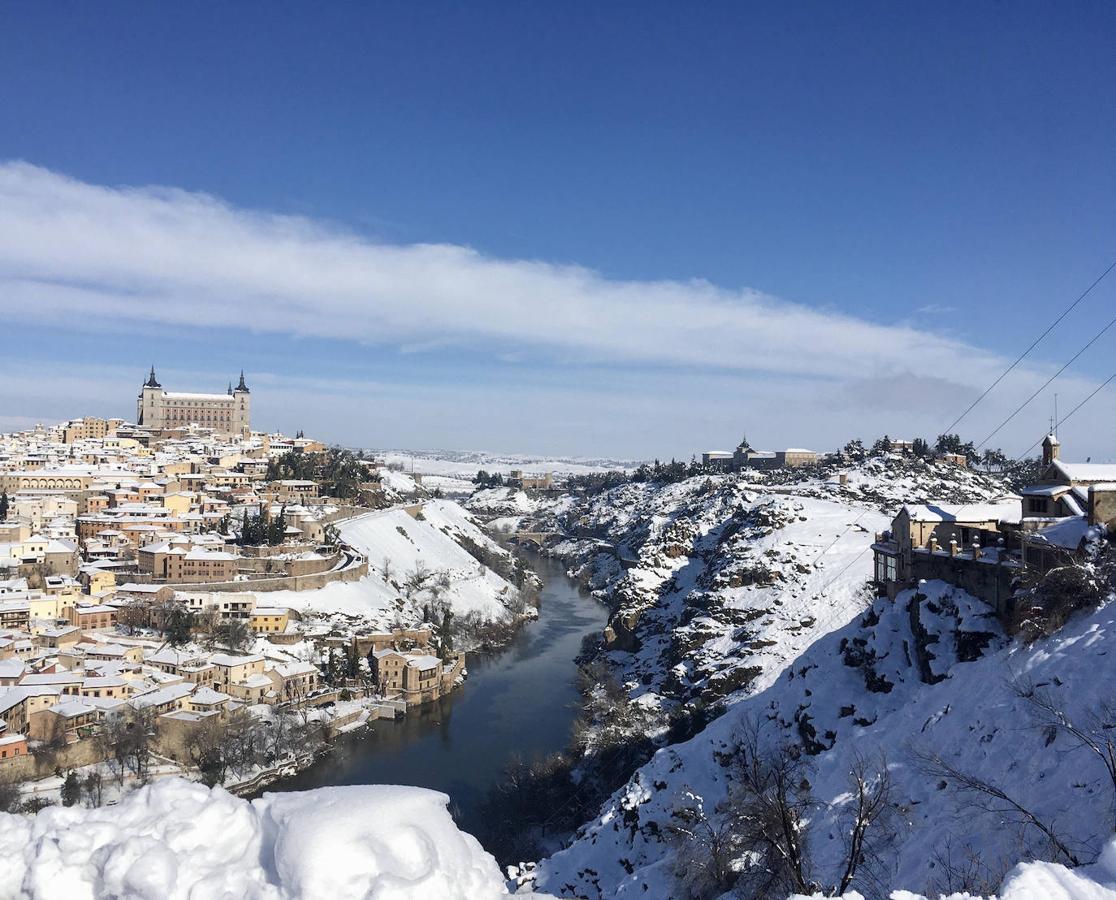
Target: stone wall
<point x="281" y="583"/>
<point x="363" y="644"/>
<point x="986" y="579"/>
<point x="42" y="764"/>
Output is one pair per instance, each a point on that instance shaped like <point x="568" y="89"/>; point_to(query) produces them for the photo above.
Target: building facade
<point x="160" y="410"/>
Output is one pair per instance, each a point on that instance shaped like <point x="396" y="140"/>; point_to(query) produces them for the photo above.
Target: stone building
<point x="984" y="547"/>
<point x="160" y="410"/>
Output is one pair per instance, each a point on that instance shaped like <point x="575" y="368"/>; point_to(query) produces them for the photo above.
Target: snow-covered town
<point x="165" y="580"/>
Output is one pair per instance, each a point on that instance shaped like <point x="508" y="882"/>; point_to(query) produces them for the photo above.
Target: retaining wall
<point x="40" y="765"/>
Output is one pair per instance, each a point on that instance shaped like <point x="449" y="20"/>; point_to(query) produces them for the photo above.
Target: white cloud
<point x="158" y="255"/>
<point x="163" y="260"/>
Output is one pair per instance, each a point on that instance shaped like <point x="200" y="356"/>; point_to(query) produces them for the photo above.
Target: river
<point x="520" y="700"/>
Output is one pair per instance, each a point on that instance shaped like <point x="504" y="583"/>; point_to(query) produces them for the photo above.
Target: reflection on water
<point x="521" y="700"/>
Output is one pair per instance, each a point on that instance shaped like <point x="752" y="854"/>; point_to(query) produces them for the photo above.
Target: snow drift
<point x="177" y="839"/>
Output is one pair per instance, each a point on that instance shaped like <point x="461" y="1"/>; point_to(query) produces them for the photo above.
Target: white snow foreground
<point x="177" y="839"/>
<point x="1035" y="881"/>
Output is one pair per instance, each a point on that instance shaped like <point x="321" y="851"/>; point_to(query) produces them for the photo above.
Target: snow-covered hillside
<point x="864" y="692"/>
<point x="176" y="839"/>
<point x="398" y="545"/>
<point x="748" y="593"/>
<point x="716" y="582"/>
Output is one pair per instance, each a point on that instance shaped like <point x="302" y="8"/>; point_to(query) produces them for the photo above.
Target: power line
<point x="986" y="392"/>
<point x="1096" y="337"/>
<point x="1001" y="377"/>
<point x="1101" y="387"/>
<point x="949" y="428"/>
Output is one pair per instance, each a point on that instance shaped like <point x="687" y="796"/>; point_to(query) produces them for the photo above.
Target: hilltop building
<point x="160" y="410"/>
<point x="985" y="547"/>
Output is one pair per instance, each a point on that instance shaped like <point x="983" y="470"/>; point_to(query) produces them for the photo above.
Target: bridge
<point x="538" y="538"/>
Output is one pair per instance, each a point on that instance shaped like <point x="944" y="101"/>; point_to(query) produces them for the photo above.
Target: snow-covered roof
<point x="210" y="555"/>
<point x="228" y="659"/>
<point x="185" y="395"/>
<point x="208" y="695"/>
<point x="1001" y="511"/>
<point x="70" y="709"/>
<point x="1092" y="472"/>
<point x="1046" y="490"/>
<point x="294" y="669"/>
<point x="163" y="695"/>
<point x="1066" y="534"/>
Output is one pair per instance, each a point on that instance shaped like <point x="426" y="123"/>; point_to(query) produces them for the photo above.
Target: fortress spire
<point x="242" y="386"/>
<point x="151" y="382"/>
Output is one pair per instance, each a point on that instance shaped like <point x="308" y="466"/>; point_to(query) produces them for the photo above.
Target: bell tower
<point x="1051" y="448"/>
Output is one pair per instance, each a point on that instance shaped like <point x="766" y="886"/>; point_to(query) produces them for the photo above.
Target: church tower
<point x="149" y="404"/>
<point x="242" y="407"/>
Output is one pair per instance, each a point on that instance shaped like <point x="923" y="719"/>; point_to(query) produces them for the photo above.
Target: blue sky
<point x="938" y="180"/>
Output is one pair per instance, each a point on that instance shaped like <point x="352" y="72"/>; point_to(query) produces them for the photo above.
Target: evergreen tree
<point x="179" y="626"/>
<point x="71" y="789"/>
<point x="447" y="633"/>
<point x="4" y="506"/>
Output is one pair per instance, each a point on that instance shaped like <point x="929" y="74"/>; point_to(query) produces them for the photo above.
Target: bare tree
<point x="94" y="788"/>
<point x="869" y="826"/>
<point x="988" y="796"/>
<point x="769" y="803"/>
<point x="125" y="740"/>
<point x="387" y="568"/>
<point x="133" y="616"/>
<point x="205" y="748"/>
<point x="280" y="734"/>
<point x="1095" y="731"/>
<point x="966" y="871"/>
<point x="245" y="741"/>
<point x="416" y="580"/>
<point x="705" y="849"/>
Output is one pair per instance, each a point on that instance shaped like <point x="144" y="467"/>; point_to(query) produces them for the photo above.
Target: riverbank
<point x="519" y="703"/>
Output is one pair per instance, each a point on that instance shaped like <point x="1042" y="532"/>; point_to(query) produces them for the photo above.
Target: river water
<point x="521" y="700"/>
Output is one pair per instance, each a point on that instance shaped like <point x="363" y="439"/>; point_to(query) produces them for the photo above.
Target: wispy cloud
<point x="157" y="255"/>
<point x="76" y="255"/>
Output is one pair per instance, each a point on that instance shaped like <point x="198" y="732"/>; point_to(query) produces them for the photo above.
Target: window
<point x="1036" y="505"/>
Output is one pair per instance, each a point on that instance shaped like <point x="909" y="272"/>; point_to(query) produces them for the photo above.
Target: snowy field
<point x="466" y="464"/>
